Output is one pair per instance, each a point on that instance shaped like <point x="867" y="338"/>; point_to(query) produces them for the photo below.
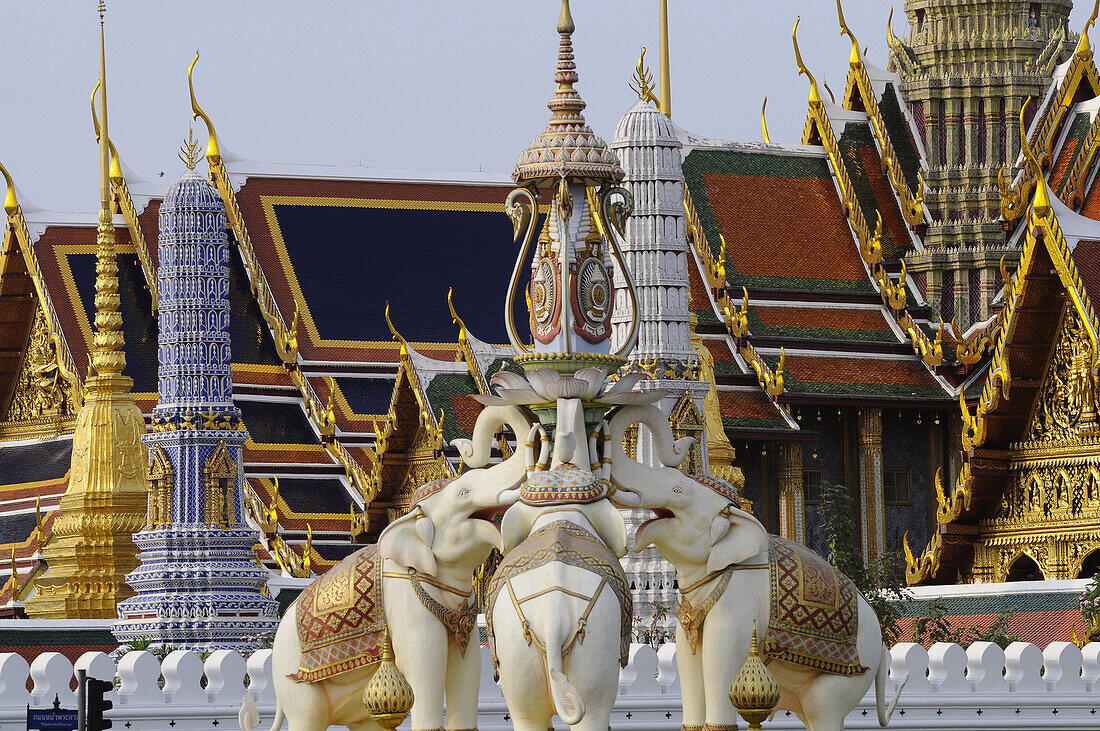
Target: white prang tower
<point x="657" y="255"/>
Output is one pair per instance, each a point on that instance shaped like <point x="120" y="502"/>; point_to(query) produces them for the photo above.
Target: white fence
<point x="982" y="687"/>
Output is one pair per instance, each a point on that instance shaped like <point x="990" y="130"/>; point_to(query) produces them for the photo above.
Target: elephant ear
<point x="609" y="524"/>
<point x="516" y="525"/>
<point x="407" y="541"/>
<point x="735" y="536"/>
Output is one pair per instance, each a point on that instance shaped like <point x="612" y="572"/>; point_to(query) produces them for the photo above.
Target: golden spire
<point x="642" y="83"/>
<point x="815" y="95"/>
<point x="666" y="76"/>
<point x="764" y="121"/>
<point x="107" y="357"/>
<point x="105" y="503"/>
<point x="854" y="60"/>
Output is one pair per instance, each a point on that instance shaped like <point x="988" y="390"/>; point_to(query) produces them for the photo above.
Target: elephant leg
<point x="724" y="647"/>
<point x="421" y="653"/>
<point x="463" y="680"/>
<point x="690" y="667"/>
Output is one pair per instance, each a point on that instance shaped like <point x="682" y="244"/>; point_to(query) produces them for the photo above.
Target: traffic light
<point x="97" y="705"/>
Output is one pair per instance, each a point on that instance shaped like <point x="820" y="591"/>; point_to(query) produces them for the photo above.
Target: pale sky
<point x="411" y="84"/>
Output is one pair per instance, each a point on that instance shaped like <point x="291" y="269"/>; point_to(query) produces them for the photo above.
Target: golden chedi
<point x="91" y="549"/>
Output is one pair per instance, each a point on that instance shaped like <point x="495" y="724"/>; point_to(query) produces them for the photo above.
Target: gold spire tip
<point x="102" y="10"/>
<point x="666" y="76"/>
<point x="565" y="22"/>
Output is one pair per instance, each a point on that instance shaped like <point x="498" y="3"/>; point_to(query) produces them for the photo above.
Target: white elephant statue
<point x="326" y="653"/>
<point x="728" y="569"/>
<point x="558" y="606"/>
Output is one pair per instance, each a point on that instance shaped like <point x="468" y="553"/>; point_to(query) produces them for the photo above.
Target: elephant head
<point x="604" y="517"/>
<point x="451" y="523"/>
<point x="697" y="523"/>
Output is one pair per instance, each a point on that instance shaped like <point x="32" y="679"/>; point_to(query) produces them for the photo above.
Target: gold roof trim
<point x="17" y="228"/>
<point x="736" y="320"/>
<point x="1042" y="222"/>
<point x="910" y="202"/>
<point x="642" y="81"/>
<point x="125" y="202"/>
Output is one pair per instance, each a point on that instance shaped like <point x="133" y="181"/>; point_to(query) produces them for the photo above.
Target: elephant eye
<point x="465" y="492"/>
<point x="677" y="490"/>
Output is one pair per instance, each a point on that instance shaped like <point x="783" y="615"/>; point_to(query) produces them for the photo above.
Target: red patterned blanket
<point x="814" y="620"/>
<point x="340" y="618"/>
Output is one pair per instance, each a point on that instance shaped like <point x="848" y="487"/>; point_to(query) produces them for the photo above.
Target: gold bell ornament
<point x="388" y="696"/>
<point x="754" y="692"/>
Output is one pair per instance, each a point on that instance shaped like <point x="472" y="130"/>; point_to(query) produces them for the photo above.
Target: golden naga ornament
<point x="388" y="696"/>
<point x="755" y="691"/>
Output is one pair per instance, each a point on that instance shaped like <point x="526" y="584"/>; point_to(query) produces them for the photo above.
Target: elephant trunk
<point x="476" y="451"/>
<point x="570" y="434"/>
<point x="631" y="475"/>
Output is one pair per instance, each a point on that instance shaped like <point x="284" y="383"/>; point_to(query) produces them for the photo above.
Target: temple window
<point x="811" y="486"/>
<point x="896" y="487"/>
<point x="1035" y="15"/>
<point x="687" y="422"/>
<point x="920" y="19"/>
<point x="1024" y="568"/>
<point x="221" y="477"/>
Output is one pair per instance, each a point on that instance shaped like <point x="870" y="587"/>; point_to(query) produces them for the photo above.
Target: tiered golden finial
<point x="388" y="696"/>
<point x="755" y="691"/>
<point x="642" y="82"/>
<point x="189" y="150"/>
<point x="92" y="548"/>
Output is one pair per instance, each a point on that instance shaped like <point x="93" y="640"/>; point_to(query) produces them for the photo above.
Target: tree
<point x="878" y="582"/>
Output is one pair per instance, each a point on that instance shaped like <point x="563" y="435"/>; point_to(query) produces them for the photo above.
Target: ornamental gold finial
<point x="1083" y="47"/>
<point x="388" y="696"/>
<point x="815" y="95"/>
<point x="11" y="203"/>
<point x="846" y="31"/>
<point x="455" y="319"/>
<point x="832" y="96"/>
<point x="116" y="166"/>
<point x="642" y="82"/>
<point x="764" y="121"/>
<point x="891" y="40"/>
<point x="189" y="150"/>
<point x="666" y="76"/>
<point x="393" y="330"/>
<point x="213" y="152"/>
<point x="754" y="691"/>
<point x="1041" y="203"/>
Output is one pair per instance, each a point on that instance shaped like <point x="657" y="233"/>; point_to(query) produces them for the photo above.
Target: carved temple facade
<point x="791" y="298"/>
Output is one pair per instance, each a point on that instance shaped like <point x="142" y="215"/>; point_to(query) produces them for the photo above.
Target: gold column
<point x="791" y="510"/>
<point x="92" y="548"/>
<point x="870" y="483"/>
<point x="666" y="76"/>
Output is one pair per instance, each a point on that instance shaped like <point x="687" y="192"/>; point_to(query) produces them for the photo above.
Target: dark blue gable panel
<point x="139" y="327"/>
<point x="367" y="395"/>
<point x="35" y="462"/>
<point x="350" y="261"/>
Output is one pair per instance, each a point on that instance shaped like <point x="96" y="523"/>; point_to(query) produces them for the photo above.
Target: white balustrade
<point x="982" y="687"/>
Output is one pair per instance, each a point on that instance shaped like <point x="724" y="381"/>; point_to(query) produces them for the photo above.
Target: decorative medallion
<point x="591" y="300"/>
<point x="545" y="301"/>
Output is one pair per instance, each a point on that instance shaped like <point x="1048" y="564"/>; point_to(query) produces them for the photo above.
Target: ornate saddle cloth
<point x="570" y="544"/>
<point x="340" y="619"/>
<point x="814" y="618"/>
